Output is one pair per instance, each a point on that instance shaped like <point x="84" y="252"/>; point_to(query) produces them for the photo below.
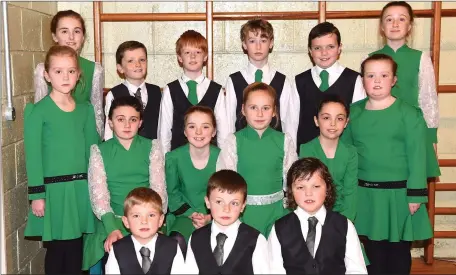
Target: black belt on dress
<point x="48" y="180"/>
<point x="394" y="185"/>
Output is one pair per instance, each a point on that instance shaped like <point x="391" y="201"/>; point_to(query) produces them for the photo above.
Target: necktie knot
<point x="192" y="97"/>
<point x="258" y="75"/>
<point x="312" y="222"/>
<point x="221" y="238"/>
<point x="324" y="76"/>
<point x="138" y="96"/>
<point x="145" y="252"/>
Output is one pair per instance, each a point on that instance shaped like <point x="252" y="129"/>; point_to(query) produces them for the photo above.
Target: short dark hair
<point x="333" y="98"/>
<point x="305" y="168"/>
<point x="322" y="29"/>
<point x="126" y="101"/>
<point x="227" y="181"/>
<point x="128" y="46"/>
<point x="142" y="195"/>
<point x="379" y="57"/>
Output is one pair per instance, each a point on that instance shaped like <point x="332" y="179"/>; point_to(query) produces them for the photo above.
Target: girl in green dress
<point x="415" y="73"/>
<point x="188" y="169"/>
<point x="58" y="133"/>
<point x="116" y="167"/>
<point x="341" y="158"/>
<point x="262" y="156"/>
<point x="390" y="137"/>
<point x="68" y="29"/>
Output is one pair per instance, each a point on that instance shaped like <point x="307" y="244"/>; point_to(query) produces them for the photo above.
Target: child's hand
<point x="112" y="238"/>
<point x="413" y="207"/>
<point x="38" y="207"/>
<point x="201" y="220"/>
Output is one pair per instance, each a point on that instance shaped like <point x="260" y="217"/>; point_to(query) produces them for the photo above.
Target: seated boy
<point x="328" y="76"/>
<point x="227" y="246"/>
<point x="131" y="59"/>
<point x="313" y="239"/>
<point x="257" y="38"/>
<point x="144" y="251"/>
<point x="192" y="88"/>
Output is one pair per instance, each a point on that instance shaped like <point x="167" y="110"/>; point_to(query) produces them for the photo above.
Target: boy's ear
<point x="272" y="44"/>
<point x="205" y="58"/>
<point x="340" y="48"/>
<point x="119" y="68"/>
<point x="316" y="121"/>
<point x="244" y="46"/>
<point x="162" y="218"/>
<point x="206" y="200"/>
<point x="243" y="206"/>
<point x="125" y="222"/>
<point x="179" y="58"/>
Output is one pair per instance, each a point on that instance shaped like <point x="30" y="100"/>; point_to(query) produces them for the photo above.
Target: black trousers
<point x="63" y="257"/>
<point x="388" y="257"/>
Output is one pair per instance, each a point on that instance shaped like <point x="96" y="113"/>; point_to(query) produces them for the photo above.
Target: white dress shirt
<point x="354" y="259"/>
<point x="178" y="267"/>
<point x="249" y="76"/>
<point x="260" y="257"/>
<point x="165" y="121"/>
<point x="335" y="71"/>
<point x="109" y="98"/>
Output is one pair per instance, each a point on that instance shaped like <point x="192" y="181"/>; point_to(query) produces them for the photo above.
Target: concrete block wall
<point x="29" y="24"/>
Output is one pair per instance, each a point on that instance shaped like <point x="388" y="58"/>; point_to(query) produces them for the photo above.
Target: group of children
<point x="158" y="187"/>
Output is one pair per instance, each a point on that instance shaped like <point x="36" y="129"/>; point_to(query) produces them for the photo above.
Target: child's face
<point x="69" y="33"/>
<point x="310" y="194"/>
<point x="192" y="59"/>
<point x="257" y="47"/>
<point x="63" y="73"/>
<point x="396" y="23"/>
<point x="199" y="129"/>
<point x="125" y="122"/>
<point x="259" y="110"/>
<point x="225" y="207"/>
<point x="143" y="220"/>
<point x="332" y="120"/>
<point x="325" y="50"/>
<point x="378" y="79"/>
<point x="134" y="65"/>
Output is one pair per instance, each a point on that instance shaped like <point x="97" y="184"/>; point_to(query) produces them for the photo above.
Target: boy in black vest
<point x="328" y="76"/>
<point x="131" y="58"/>
<point x="313" y="239"/>
<point x="227" y="246"/>
<point x="144" y="251"/>
<point x="192" y="88"/>
<point x="257" y="38"/>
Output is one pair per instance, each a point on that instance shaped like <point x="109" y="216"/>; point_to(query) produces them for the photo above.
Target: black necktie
<point x="138" y="96"/>
<point x="218" y="251"/>
<point x="310" y="240"/>
<point x="146" y="262"/>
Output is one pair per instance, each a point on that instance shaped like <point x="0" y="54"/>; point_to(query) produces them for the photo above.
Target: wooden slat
<point x="429" y="244"/>
<point x="445" y="234"/>
<point x="447" y="89"/>
<point x="447" y="162"/>
<point x="210" y="39"/>
<point x="445" y="187"/>
<point x="445" y="210"/>
<point x="321" y="11"/>
<point x="448" y="12"/>
<point x="97" y="10"/>
<point x="136" y="17"/>
<point x="282" y="15"/>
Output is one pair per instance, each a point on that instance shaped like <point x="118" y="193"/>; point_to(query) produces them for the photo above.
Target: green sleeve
<point x="415" y="134"/>
<point x="173" y="186"/>
<point x="109" y="222"/>
<point x="90" y="130"/>
<point x="350" y="186"/>
<point x="432" y="134"/>
<point x="33" y="139"/>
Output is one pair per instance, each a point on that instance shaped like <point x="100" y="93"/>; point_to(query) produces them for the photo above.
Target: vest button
<point x="314" y="266"/>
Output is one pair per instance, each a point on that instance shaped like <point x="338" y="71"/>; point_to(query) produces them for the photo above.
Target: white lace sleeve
<point x="157" y="172"/>
<point x="100" y="198"/>
<point x="228" y="155"/>
<point x="289" y="158"/>
<point x="39" y="83"/>
<point x="96" y="97"/>
<point x="427" y="96"/>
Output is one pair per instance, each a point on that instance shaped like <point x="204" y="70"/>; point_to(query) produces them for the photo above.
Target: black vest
<point x="165" y="251"/>
<point x="181" y="105"/>
<point x="151" y="112"/>
<point x="240" y="84"/>
<point x="310" y="97"/>
<point x="238" y="262"/>
<point x="329" y="258"/>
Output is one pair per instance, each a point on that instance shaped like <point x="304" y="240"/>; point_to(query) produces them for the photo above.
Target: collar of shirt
<point x="251" y="69"/>
<point x="231" y="231"/>
<point x="150" y="245"/>
<point x="198" y="80"/>
<point x="335" y="69"/>
<point x="303" y="216"/>
<point x="133" y="88"/>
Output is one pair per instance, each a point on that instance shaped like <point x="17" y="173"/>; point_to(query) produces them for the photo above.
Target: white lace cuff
<point x="157" y="173"/>
<point x="228" y="155"/>
<point x="96" y="97"/>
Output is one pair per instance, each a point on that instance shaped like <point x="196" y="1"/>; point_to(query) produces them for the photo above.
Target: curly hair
<point x="305" y="168"/>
